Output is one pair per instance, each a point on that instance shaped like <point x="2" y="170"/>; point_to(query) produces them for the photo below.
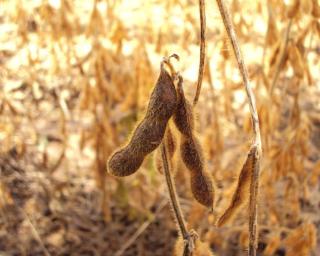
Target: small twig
<point x="202" y="49"/>
<point x="140" y="230"/>
<point x="253" y="234"/>
<point x="81" y="61"/>
<point x="34" y="232"/>
<point x="282" y="59"/>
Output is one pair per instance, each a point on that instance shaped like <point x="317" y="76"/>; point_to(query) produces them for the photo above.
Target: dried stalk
<point x="202" y="49"/>
<point x="175" y="203"/>
<point x="253" y="235"/>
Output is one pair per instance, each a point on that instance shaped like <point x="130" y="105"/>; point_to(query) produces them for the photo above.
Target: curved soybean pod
<point x="150" y="131"/>
<point x="191" y="151"/>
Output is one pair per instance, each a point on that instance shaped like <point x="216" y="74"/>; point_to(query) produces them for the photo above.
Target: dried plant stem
<point x="172" y="193"/>
<point x="187" y="237"/>
<point x="253" y="208"/>
<point x="243" y="70"/>
<point x="253" y="235"/>
<point x="202" y="49"/>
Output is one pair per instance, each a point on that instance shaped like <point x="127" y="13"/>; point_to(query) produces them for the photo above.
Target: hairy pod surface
<point x="147" y="136"/>
<point x="191" y="151"/>
<point x="191" y="154"/>
<point x="124" y="163"/>
<point x="183" y="117"/>
<point x="150" y="131"/>
<point x="202" y="188"/>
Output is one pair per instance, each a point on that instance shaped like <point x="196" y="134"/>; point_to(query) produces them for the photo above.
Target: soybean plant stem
<point x="202" y="49"/>
<point x="172" y="194"/>
<point x="253" y="234"/>
<point x="175" y="203"/>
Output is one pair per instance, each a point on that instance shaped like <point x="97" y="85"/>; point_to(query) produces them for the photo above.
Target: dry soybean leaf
<point x="241" y="194"/>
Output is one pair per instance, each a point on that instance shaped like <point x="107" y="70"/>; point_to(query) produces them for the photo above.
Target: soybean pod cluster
<point x="166" y="102"/>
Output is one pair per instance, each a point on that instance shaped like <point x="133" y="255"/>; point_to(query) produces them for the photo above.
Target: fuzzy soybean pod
<point x="149" y="132"/>
<point x="191" y="151"/>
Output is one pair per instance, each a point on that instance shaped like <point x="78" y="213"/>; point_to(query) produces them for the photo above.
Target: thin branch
<point x="202" y="49"/>
<point x="34" y="232"/>
<point x="253" y="235"/>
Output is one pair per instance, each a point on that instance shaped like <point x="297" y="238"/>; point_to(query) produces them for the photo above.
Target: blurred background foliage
<point x="75" y="77"/>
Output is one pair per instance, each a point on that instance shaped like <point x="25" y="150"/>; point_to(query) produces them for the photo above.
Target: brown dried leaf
<point x="241" y="194"/>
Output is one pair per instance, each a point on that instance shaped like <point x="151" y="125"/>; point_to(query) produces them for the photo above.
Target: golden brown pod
<point x="183" y="117"/>
<point x="150" y="131"/>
